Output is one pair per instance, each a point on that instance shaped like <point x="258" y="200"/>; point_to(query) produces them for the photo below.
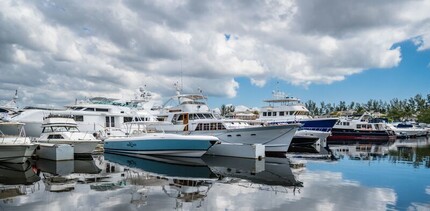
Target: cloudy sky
<point x="235" y="51"/>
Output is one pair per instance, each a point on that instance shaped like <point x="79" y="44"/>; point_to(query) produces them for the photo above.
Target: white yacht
<point x="92" y="115"/>
<point x="64" y="130"/>
<point x="15" y="149"/>
<point x="407" y="130"/>
<point x="283" y="109"/>
<point x="193" y="116"/>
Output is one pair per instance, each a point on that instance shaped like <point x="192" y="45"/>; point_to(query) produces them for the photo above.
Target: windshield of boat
<point x="50" y="129"/>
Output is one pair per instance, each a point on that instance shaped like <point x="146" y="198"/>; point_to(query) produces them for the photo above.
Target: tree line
<point x="417" y="107"/>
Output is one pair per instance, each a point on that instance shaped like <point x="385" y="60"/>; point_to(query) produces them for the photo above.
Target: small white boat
<point x="15" y="149"/>
<point x="407" y="130"/>
<point x="63" y="130"/>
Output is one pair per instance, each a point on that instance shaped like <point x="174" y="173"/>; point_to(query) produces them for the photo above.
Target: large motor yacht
<point x="92" y="115"/>
<point x="192" y="115"/>
<point x="283" y="109"/>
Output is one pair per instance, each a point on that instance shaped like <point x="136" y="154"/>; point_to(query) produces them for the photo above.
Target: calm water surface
<point x="379" y="177"/>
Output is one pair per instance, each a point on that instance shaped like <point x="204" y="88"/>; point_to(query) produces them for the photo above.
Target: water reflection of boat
<point x="360" y="151"/>
<point x="62" y="176"/>
<point x="185" y="180"/>
<point x="272" y="173"/>
<point x="17" y="174"/>
<point x="66" y="167"/>
<point x="59" y="183"/>
<point x="416" y="142"/>
<point x="189" y="168"/>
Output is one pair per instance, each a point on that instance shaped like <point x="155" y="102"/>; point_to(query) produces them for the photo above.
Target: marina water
<point x="392" y="176"/>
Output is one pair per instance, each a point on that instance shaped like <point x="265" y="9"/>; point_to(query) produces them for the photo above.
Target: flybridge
<point x="282" y="98"/>
<point x="141" y="96"/>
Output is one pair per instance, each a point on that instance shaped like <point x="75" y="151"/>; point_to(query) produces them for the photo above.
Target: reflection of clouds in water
<point x="344" y="194"/>
<point x="419" y="207"/>
<point x="219" y="197"/>
<point x="321" y="191"/>
<point x="428" y="190"/>
<point x="82" y="198"/>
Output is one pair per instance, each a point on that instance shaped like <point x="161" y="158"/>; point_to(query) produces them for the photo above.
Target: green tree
<point x="424" y="116"/>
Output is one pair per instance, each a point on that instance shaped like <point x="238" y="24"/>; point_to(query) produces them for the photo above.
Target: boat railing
<point x="322" y="129"/>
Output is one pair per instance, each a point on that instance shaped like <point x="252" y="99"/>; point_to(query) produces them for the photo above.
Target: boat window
<point x="47" y="130"/>
<point x="89" y="109"/>
<point x="281" y="113"/>
<point x="213" y="126"/>
<point x="175" y="117"/>
<point x="369" y="126"/>
<point x="128" y="119"/>
<point x="264" y="113"/>
<point x="78" y="118"/>
<point x="181" y="117"/>
<point x="221" y="126"/>
<point x="206" y="126"/>
<point x="110" y="121"/>
<point x="208" y="116"/>
<point x="201" y="116"/>
<point x="59" y="129"/>
<point x="274" y="113"/>
<point x="358" y="126"/>
<point x="199" y="126"/>
<point x="238" y="135"/>
<point x="55" y="136"/>
<point x="102" y="109"/>
<point x="269" y="113"/>
<point x="228" y="135"/>
<point x="72" y="129"/>
<point x="253" y="134"/>
<point x="191" y="116"/>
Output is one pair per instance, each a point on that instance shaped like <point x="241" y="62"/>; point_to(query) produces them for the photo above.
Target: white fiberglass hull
<point x="410" y="132"/>
<point x="16" y="153"/>
<point x="274" y="138"/>
<point x="321" y="135"/>
<point x="79" y="147"/>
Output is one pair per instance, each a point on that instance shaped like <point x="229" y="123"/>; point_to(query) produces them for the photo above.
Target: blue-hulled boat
<point x="161" y="144"/>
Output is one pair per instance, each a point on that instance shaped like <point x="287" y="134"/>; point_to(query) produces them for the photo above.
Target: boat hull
<point x="354" y="136"/>
<point x="274" y="138"/>
<point x="79" y="147"/>
<point x="13" y="153"/>
<point x="321" y="124"/>
<point x="181" y="146"/>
